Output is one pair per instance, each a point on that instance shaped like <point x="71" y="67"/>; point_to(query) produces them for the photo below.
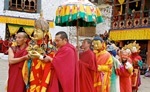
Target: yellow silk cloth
<point x="130" y="34"/>
<point x="13" y="29"/>
<point x="21" y="21"/>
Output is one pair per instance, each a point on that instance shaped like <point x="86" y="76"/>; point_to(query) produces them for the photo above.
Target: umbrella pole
<point x="78" y="47"/>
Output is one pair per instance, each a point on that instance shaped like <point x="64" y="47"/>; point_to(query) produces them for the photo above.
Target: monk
<point x="5" y="46"/>
<point x="88" y="67"/>
<point x="104" y="63"/>
<point x="16" y="57"/>
<point x="65" y="73"/>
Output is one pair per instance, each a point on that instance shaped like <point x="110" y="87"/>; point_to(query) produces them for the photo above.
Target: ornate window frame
<point x="23" y="5"/>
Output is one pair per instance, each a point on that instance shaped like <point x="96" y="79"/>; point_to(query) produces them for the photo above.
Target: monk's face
<point x="59" y="41"/>
<point x="97" y="44"/>
<point x="38" y="34"/>
<point x="85" y="44"/>
<point x="20" y="39"/>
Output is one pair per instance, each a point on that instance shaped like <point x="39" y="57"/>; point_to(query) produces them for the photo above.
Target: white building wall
<point x="106" y="11"/>
<point x="2" y="30"/>
<point x="48" y="7"/>
<point x="49" y="10"/>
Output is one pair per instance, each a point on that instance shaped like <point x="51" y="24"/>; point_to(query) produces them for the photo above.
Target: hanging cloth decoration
<point x="121" y="2"/>
<point x="13" y="29"/>
<point x="28" y="30"/>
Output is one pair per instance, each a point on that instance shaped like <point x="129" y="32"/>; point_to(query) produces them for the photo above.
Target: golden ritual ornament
<point x="40" y="41"/>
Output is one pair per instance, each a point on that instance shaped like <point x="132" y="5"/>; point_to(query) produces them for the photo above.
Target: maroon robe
<point x="5" y="47"/>
<point x="1" y="44"/>
<point x="87" y="68"/>
<point x="15" y="79"/>
<point x="65" y="73"/>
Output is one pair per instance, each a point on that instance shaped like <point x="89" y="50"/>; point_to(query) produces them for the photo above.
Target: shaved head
<point x="23" y="34"/>
<point x="21" y="38"/>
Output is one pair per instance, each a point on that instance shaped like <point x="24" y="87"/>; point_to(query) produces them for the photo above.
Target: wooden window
<point x="134" y="13"/>
<point x="6" y="4"/>
<point x="24" y="5"/>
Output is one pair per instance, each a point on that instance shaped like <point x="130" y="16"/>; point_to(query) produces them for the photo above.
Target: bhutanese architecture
<point x="131" y="21"/>
<point x="16" y="15"/>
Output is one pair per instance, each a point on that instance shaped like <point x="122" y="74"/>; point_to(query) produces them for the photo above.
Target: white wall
<point x="48" y="7"/>
<point x="106" y="11"/>
<point x="49" y="10"/>
<point x="2" y="30"/>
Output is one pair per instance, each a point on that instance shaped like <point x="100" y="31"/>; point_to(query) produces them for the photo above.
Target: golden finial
<point x="41" y="13"/>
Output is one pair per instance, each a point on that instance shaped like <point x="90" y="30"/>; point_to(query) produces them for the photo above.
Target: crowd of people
<point x="99" y="67"/>
<point x="4" y="45"/>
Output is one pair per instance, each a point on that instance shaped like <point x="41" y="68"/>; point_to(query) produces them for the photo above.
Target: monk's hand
<point x="47" y="59"/>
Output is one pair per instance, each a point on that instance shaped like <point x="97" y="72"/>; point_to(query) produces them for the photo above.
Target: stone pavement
<point x="3" y="74"/>
<point x="145" y="87"/>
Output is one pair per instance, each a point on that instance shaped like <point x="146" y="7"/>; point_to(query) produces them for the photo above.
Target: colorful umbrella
<point x="78" y="13"/>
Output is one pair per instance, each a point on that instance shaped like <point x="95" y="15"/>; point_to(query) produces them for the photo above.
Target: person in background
<point x="115" y="84"/>
<point x="1" y="43"/>
<point x="104" y="65"/>
<point x="5" y="46"/>
<point x="88" y="67"/>
<point x="125" y="72"/>
<point x="16" y="57"/>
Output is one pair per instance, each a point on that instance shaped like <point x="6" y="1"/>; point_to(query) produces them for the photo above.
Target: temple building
<point x="130" y="21"/>
<point x="18" y="15"/>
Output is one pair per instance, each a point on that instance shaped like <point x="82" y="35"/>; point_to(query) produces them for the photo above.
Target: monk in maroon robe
<point x="5" y="46"/>
<point x="65" y="73"/>
<point x="87" y="67"/>
<point x="16" y="57"/>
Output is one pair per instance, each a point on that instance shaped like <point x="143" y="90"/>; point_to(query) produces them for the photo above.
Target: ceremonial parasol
<point x="78" y="13"/>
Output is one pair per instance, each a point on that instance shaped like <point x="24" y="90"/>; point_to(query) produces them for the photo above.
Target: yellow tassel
<point x="137" y="4"/>
<point x="120" y="10"/>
